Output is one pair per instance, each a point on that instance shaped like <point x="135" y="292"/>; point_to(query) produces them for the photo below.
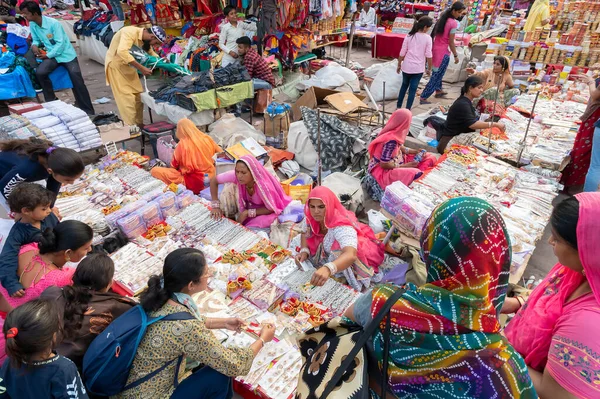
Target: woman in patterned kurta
<point x="445" y="339"/>
<point x="184" y="274"/>
<point x="557" y="329"/>
<point x="337" y="243"/>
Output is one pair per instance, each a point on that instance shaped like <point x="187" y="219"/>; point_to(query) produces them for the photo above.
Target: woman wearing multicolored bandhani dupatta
<point x="260" y="195"/>
<point x="557" y="330"/>
<point x="445" y="336"/>
<point x="337" y="243"/>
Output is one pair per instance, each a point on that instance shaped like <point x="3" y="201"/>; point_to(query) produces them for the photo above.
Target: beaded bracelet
<point x="215" y="204"/>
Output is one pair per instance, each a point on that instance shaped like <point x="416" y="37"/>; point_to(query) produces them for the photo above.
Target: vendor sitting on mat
<point x="336" y="243"/>
<point x="59" y="51"/>
<point x="463" y="118"/>
<point x="192" y="158"/>
<point x="497" y="77"/>
<point x="260" y="195"/>
<point x="261" y="74"/>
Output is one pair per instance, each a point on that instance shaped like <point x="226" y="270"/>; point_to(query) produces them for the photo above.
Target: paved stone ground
<point x="540" y="263"/>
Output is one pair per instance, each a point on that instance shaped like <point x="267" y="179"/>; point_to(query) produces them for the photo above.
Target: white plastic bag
<point x="230" y="130"/>
<point x="300" y="144"/>
<point x="375" y="221"/>
<point x="392" y="79"/>
<point x="331" y="76"/>
<point x="345" y="185"/>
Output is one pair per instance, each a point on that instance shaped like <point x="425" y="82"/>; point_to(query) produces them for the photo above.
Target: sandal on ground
<point x="441" y="94"/>
<point x="425" y="102"/>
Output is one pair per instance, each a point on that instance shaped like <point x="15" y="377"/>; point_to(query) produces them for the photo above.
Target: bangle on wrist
<point x="305" y="250"/>
<point x="332" y="268"/>
<point x="215" y="204"/>
<point x="262" y="340"/>
<point x="251" y="213"/>
<point x="520" y="300"/>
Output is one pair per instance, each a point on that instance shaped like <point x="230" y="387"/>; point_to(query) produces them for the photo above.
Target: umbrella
<point x="152" y="62"/>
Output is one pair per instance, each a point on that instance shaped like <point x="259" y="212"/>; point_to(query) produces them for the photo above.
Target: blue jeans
<point x="206" y="383"/>
<point x="410" y="82"/>
<point x="260" y="84"/>
<point x="117" y="9"/>
<point x="592" y="179"/>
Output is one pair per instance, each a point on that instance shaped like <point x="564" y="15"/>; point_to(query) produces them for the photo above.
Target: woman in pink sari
<point x="557" y="329"/>
<point x="41" y="268"/>
<point x="337" y="243"/>
<point x="390" y="160"/>
<point x="260" y="195"/>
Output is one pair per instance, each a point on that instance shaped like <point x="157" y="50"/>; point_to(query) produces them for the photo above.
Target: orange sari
<point x="192" y="158"/>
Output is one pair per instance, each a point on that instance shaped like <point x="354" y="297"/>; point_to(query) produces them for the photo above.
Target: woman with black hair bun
<point x="34" y="159"/>
<point x="33" y="370"/>
<point x="43" y="265"/>
<point x="87" y="307"/>
<point x="556" y="330"/>
<point x="463" y="118"/>
<point x="185" y="273"/>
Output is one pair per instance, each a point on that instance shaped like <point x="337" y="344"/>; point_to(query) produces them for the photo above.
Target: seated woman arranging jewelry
<point x="462" y="117"/>
<point x="337" y="242"/>
<point x="390" y="160"/>
<point x="445" y="339"/>
<point x="260" y="195"/>
<point x="497" y="82"/>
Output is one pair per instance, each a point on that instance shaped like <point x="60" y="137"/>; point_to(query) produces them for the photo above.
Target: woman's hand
<point x="470" y="71"/>
<point x="399" y="69"/>
<point x="243" y="216"/>
<point x="585" y="79"/>
<point x="320" y="276"/>
<point x="146" y="71"/>
<point x="412" y="164"/>
<point x="301" y="257"/>
<point x="56" y="213"/>
<point x="267" y="332"/>
<point x="511" y="305"/>
<point x="456" y="58"/>
<point x="234" y="324"/>
<point x="19" y="294"/>
<point x="233" y="54"/>
<point x="216" y="213"/>
<point x="500" y="126"/>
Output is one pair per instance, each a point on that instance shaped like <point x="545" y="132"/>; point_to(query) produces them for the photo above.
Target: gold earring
<point x="583" y="272"/>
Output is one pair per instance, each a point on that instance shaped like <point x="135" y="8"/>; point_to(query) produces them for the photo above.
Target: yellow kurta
<point x="122" y="78"/>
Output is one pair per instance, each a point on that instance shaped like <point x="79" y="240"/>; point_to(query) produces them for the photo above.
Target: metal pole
<point x="524" y="142"/>
<point x="319" y="164"/>
<point x="493" y="113"/>
<point x="383" y="104"/>
<point x="349" y="48"/>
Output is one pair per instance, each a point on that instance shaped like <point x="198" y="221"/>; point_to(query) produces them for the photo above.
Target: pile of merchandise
<point x="550" y="137"/>
<point x="523" y="197"/>
<point x="253" y="278"/>
<point x="208" y="90"/>
<point x="61" y="123"/>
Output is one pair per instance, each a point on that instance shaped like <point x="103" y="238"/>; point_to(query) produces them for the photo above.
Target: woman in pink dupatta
<point x="260" y="195"/>
<point x="390" y="160"/>
<point x="41" y="268"/>
<point x="557" y="330"/>
<point x="337" y="242"/>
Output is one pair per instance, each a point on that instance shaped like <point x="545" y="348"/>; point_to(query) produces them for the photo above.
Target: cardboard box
<point x="114" y="132"/>
<point x="312" y="98"/>
<point x="279" y="123"/>
<point x="345" y="102"/>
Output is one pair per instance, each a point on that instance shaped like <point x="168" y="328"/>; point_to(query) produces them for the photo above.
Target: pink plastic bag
<point x="165" y="146"/>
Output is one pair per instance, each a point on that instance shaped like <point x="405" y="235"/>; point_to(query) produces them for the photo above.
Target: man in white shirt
<point x="368" y="17"/>
<point x="231" y="30"/>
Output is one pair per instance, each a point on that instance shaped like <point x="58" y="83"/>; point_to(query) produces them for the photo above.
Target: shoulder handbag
<point x="335" y="358"/>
